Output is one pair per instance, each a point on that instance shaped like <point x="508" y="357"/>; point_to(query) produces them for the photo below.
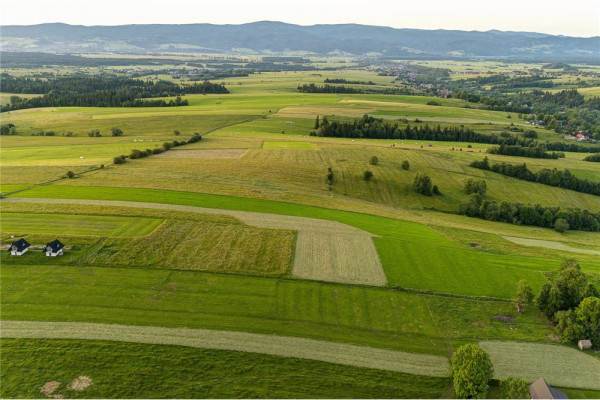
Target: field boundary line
<point x="284" y="346"/>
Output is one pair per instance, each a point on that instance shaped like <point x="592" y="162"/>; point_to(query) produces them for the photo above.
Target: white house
<point x="19" y="247"/>
<point x="54" y="248"/>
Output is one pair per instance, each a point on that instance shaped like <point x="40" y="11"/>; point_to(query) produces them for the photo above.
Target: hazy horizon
<point x="464" y="15"/>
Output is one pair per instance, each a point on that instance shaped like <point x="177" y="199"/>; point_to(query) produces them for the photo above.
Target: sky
<point x="572" y="18"/>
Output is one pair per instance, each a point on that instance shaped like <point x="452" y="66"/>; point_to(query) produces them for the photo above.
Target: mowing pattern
<point x="204" y="154"/>
<point x="549" y="244"/>
<point x="345" y="254"/>
<point x="559" y="365"/>
<point x="337" y="353"/>
<point x="339" y="258"/>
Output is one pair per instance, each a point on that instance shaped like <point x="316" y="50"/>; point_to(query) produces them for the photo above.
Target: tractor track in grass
<point x="336" y="353"/>
<point x="346" y="254"/>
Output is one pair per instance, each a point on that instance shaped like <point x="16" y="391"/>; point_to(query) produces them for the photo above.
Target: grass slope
<point x="132" y="370"/>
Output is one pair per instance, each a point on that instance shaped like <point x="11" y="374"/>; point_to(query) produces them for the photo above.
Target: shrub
<point x="472" y="369"/>
<point x="473" y="186"/>
<point x="116" y="132"/>
<point x="435" y="189"/>
<point x="167" y="146"/>
<point x="405" y="165"/>
<point x="158" y="150"/>
<point x="374" y="160"/>
<point x="119" y="160"/>
<point x="515" y="388"/>
<point x="367" y="175"/>
<point x="94" y="133"/>
<point x="70" y="174"/>
<point x="329" y="175"/>
<point x="176" y="133"/>
<point x="561" y="225"/>
<point x="423" y="185"/>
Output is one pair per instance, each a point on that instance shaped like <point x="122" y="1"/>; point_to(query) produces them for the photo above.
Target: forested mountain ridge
<point x="277" y="37"/>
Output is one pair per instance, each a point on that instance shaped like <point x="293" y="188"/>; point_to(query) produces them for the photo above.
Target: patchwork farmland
<point x="262" y="261"/>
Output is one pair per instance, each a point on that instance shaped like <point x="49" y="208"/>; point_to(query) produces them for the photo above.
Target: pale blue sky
<point x="572" y="18"/>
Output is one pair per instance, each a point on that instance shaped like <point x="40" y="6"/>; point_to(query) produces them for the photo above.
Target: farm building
<point x="19" y="247"/>
<point x="584" y="344"/>
<point x="540" y="390"/>
<point x="54" y="248"/>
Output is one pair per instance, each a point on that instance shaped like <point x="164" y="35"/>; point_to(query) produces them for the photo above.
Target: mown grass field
<point x="83" y="225"/>
<point x="341" y="313"/>
<point x="132" y="370"/>
<point x="413" y="255"/>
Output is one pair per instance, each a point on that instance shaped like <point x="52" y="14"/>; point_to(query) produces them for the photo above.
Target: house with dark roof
<point x="54" y="248"/>
<point x="540" y="390"/>
<point x="19" y="247"/>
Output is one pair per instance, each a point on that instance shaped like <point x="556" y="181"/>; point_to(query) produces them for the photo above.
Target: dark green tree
<point x="423" y="185"/>
<point x="515" y="388"/>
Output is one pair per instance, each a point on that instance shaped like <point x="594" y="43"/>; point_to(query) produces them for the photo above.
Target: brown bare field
<point x="204" y="154"/>
<point x="337" y="353"/>
<point x="325" y="250"/>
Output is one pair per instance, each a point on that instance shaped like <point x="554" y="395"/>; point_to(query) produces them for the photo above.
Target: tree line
<point x="376" y="128"/>
<point x="348" y="82"/>
<point x="99" y="92"/>
<point x="546" y="176"/>
<point x="558" y="218"/>
<point x="593" y="158"/>
<point x="524" y="151"/>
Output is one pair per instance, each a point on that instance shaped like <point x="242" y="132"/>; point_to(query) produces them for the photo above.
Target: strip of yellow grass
<point x="559" y="365"/>
<point x="549" y="244"/>
<point x="337" y="353"/>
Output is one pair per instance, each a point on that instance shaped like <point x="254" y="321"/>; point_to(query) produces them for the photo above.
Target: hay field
<point x="337" y="353"/>
<point x="559" y="365"/>
<point x="325" y="250"/>
<point x="180" y="372"/>
<point x="225" y="154"/>
<point x="337" y="258"/>
<point x="82" y="225"/>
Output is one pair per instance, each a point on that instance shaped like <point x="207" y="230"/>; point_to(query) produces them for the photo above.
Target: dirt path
<point x="549" y="244"/>
<point x="337" y="353"/>
<point x="325" y="250"/>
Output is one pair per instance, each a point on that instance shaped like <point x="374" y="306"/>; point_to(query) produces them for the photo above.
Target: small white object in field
<point x="80" y="156"/>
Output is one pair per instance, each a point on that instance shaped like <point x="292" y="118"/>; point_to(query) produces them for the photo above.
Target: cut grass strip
<point x="337" y="353"/>
<point x="559" y="365"/>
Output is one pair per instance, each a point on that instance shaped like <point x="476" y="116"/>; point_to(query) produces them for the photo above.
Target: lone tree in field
<point x="423" y="185"/>
<point x="317" y="122"/>
<point x="374" y="160"/>
<point x="176" y="133"/>
<point x="524" y="296"/>
<point x="515" y="388"/>
<point x="116" y="131"/>
<point x="405" y="165"/>
<point x="70" y="174"/>
<point x="472" y="369"/>
<point x="368" y="175"/>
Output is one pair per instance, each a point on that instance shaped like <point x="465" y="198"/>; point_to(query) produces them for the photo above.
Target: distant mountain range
<point x="281" y="38"/>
